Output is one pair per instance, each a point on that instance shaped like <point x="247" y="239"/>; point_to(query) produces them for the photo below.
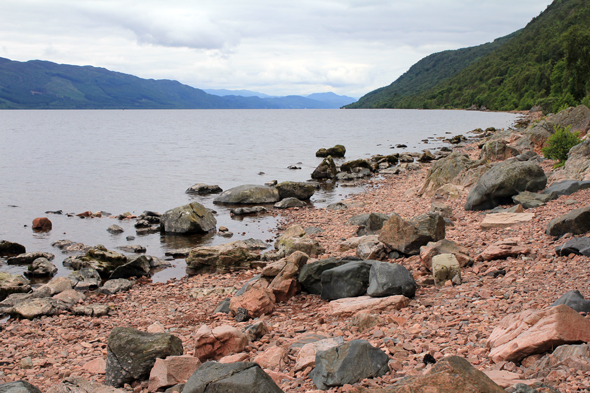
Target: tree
<point x="576" y="44"/>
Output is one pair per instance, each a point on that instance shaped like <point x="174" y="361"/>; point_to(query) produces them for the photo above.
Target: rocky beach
<point x="442" y="276"/>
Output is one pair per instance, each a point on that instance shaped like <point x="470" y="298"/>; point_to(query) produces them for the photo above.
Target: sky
<point x="349" y="47"/>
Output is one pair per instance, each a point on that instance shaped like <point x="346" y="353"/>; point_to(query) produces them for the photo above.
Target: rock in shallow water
<point x="188" y="219"/>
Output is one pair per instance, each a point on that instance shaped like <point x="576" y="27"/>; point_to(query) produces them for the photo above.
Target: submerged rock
<point x="248" y="194"/>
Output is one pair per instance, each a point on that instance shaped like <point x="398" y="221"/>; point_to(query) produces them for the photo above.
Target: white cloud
<point x="346" y="46"/>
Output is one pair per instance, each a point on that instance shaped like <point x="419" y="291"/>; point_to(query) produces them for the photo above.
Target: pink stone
<point x="156" y="327"/>
<point x="533" y="331"/>
<point x="273" y="358"/>
<point x="352" y="305"/>
<point x="278" y="378"/>
<point x="219" y="342"/>
<point x="42" y="224"/>
<point x="506" y="379"/>
<point x="171" y="371"/>
<point x="306" y="355"/>
<point x="96" y="366"/>
<point x="238" y="357"/>
<point x="258" y="301"/>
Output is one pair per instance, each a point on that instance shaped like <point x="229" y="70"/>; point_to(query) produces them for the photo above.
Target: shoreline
<point x="433" y="322"/>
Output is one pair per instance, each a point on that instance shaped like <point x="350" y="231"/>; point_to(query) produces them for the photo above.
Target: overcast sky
<point x="275" y="47"/>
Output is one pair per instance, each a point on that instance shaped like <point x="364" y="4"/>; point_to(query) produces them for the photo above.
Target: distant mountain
<point x="544" y="64"/>
<point x="40" y="84"/>
<point x="240" y="93"/>
<point x="332" y="99"/>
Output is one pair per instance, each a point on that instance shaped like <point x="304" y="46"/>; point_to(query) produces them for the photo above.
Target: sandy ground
<point x="452" y="320"/>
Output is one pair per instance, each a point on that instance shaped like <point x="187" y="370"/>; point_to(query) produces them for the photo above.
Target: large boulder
<point x="452" y="374"/>
<point x="446" y="171"/>
<point x="531" y="200"/>
<point x="536" y="331"/>
<point x="218" y="342"/>
<point x="577" y="166"/>
<point x="239" y="377"/>
<point x="310" y="276"/>
<point x="386" y="279"/>
<point x="497" y="151"/>
<point x="348" y="363"/>
<point x="576" y="222"/>
<point x="349" y="280"/>
<point x="10" y="248"/>
<point x="291" y="189"/>
<point x="138" y="267"/>
<point x="408" y="236"/>
<point x="12" y="283"/>
<point x="131" y="354"/>
<point x="188" y="219"/>
<point x="326" y="169"/>
<point x="221" y="259"/>
<point x="248" y="194"/>
<point x="498" y="185"/>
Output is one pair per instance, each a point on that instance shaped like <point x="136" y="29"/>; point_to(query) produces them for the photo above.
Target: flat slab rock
<point x="350" y="306"/>
<point x="505" y="220"/>
<point x="536" y="331"/>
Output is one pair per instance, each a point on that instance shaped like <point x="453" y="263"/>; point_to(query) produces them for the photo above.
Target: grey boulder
<point x="41" y="267"/>
<point x="576" y="222"/>
<point x="310" y="276"/>
<point x="131" y="354"/>
<point x="577" y="245"/>
<point x="188" y="219"/>
<point x="500" y="183"/>
<point x="138" y="267"/>
<point x="575" y="300"/>
<point x="299" y="190"/>
<point x="239" y="377"/>
<point x="388" y="279"/>
<point x="248" y="194"/>
<point x="114" y="286"/>
<point x="348" y="363"/>
<point x="326" y="169"/>
<point x="566" y="187"/>
<point x="348" y="280"/>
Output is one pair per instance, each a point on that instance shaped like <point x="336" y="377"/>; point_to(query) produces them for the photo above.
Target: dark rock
<point x="337" y="151"/>
<point x="41" y="267"/>
<point x="573" y="246"/>
<point x="326" y="169"/>
<point x="223" y="306"/>
<point x="388" y="279"/>
<point x="8" y="249"/>
<point x="348" y="363"/>
<point x="242" y="315"/>
<point x="566" y="187"/>
<point x="256" y="331"/>
<point x="221" y="259"/>
<point x="18" y="387"/>
<point x="85" y="279"/>
<point x="348" y="280"/>
<point x="188" y="219"/>
<point x="111" y="287"/>
<point x="530" y="200"/>
<point x="239" y="377"/>
<point x="576" y="222"/>
<point x="360" y="163"/>
<point x="526" y="155"/>
<point x="299" y="190"/>
<point x="310" y="276"/>
<point x="131" y="354"/>
<point x="115" y="229"/>
<point x="535" y="387"/>
<point x="499" y="184"/>
<point x="427" y="156"/>
<point x="148" y="231"/>
<point x="29" y="257"/>
<point x="204" y="189"/>
<point x="138" y="267"/>
<point x="244" y="211"/>
<point x="337" y="206"/>
<point x="288" y="203"/>
<point x="575" y="300"/>
<point x="248" y="194"/>
<point x="408" y="236"/>
<point x="372" y="225"/>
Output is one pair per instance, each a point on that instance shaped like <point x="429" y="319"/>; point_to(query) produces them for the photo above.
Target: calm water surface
<point x="130" y="161"/>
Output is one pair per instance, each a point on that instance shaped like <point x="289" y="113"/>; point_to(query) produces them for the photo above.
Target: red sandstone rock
<point x="219" y="342"/>
<point x="96" y="366"/>
<point x="506" y="378"/>
<point x="171" y="371"/>
<point x="258" y="301"/>
<point x="352" y="305"/>
<point x="306" y="355"/>
<point x="238" y="357"/>
<point x="504" y="249"/>
<point x="532" y="331"/>
<point x="273" y="358"/>
<point x="42" y="224"/>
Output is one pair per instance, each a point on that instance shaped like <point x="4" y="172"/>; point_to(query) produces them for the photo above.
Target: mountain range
<point x="40" y="84"/>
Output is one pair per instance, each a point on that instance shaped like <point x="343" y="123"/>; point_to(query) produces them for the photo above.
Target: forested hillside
<point x="546" y="64"/>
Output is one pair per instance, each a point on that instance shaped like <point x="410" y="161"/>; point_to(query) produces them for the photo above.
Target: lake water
<point x="130" y="161"/>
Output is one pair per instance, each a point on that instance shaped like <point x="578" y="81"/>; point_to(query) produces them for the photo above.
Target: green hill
<point x="426" y="74"/>
<point x="544" y="64"/>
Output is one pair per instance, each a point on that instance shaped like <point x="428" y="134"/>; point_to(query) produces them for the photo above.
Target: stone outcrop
<point x="536" y="331"/>
<point x="351" y="306"/>
<point x="326" y="169"/>
<point x="250" y="194"/>
<point x="348" y="363"/>
<point x="408" y="236"/>
<point x="387" y="279"/>
<point x="446" y="171"/>
<point x="576" y="222"/>
<point x="299" y="190"/>
<point x="218" y="342"/>
<point x="188" y="219"/>
<point x="131" y="354"/>
<point x="498" y="185"/>
<point x="221" y="259"/>
<point x="240" y="377"/>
